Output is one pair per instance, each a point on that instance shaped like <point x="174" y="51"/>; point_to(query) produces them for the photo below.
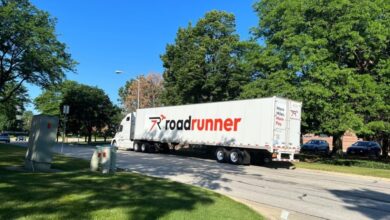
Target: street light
<point x="138" y="94"/>
<point x="65" y="111"/>
<point x="138" y="86"/>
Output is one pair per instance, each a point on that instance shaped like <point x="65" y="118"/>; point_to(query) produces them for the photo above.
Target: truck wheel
<point x="144" y="147"/>
<point x="221" y="155"/>
<point x="246" y="157"/>
<point x="115" y="145"/>
<point x="264" y="158"/>
<point x="235" y="156"/>
<point x="137" y="147"/>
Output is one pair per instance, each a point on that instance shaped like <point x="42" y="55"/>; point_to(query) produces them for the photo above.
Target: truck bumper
<point x="287" y="156"/>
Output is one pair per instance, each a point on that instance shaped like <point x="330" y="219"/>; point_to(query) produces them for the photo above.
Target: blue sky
<point x="104" y="36"/>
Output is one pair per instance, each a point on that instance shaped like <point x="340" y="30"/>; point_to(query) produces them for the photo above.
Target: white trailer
<point x="268" y="128"/>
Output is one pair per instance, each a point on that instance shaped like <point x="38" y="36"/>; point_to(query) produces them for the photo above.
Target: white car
<point x="4" y="138"/>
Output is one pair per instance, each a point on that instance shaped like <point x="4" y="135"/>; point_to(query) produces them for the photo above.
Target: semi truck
<point x="241" y="131"/>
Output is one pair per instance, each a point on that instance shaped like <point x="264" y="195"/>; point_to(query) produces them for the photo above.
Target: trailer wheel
<point x="137" y="147"/>
<point x="144" y="147"/>
<point x="221" y="155"/>
<point x="235" y="156"/>
<point x="246" y="157"/>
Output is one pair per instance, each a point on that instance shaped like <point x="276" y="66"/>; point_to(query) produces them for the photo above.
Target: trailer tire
<point x="137" y="147"/>
<point x="246" y="157"/>
<point x="235" y="156"/>
<point x="164" y="148"/>
<point x="221" y="154"/>
<point x="144" y="147"/>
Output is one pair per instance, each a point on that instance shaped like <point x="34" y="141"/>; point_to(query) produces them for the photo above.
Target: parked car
<point x="316" y="147"/>
<point x="20" y="138"/>
<point x="4" y="138"/>
<point x="364" y="148"/>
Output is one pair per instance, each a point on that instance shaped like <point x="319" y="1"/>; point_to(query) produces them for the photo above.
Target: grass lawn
<point x="352" y="166"/>
<point x="77" y="193"/>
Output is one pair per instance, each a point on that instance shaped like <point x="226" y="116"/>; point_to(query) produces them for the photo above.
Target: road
<point x="298" y="194"/>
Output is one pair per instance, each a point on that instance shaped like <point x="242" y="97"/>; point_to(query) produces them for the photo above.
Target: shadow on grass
<point x="81" y="194"/>
<point x="373" y="204"/>
<point x="72" y="195"/>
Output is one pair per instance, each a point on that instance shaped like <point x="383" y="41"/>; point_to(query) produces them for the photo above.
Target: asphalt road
<point x="295" y="194"/>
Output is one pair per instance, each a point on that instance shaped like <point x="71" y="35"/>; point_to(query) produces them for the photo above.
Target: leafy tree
<point x="49" y="101"/>
<point x="27" y="118"/>
<point x="206" y="62"/>
<point x="333" y="56"/>
<point x="12" y="108"/>
<point x="90" y="108"/>
<point x="151" y="88"/>
<point x="29" y="49"/>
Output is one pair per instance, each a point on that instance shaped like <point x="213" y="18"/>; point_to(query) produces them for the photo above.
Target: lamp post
<point x="138" y="85"/>
<point x="65" y="110"/>
<point x="138" y="94"/>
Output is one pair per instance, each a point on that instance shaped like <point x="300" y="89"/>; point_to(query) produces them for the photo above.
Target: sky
<point x="105" y="36"/>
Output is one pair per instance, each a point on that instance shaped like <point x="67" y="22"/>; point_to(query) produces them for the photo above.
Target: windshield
<point x="361" y="143"/>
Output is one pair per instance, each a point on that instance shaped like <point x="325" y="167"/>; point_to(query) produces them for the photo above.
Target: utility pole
<point x="138" y="94"/>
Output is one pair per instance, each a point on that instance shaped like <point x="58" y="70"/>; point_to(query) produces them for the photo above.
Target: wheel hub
<point x="220" y="155"/>
<point x="234" y="157"/>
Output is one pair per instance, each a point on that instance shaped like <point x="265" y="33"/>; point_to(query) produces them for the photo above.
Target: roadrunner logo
<point x="156" y="121"/>
<point x="208" y="124"/>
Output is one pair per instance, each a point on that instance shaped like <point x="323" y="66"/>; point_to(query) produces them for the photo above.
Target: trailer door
<point x="280" y="123"/>
<point x="294" y="124"/>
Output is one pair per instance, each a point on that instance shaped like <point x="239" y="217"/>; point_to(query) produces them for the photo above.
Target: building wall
<point x="347" y="139"/>
<point x="308" y="137"/>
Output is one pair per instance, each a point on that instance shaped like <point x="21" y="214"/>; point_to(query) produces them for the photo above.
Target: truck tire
<point x="115" y="145"/>
<point x="137" y="147"/>
<point x="144" y="147"/>
<point x="264" y="158"/>
<point x="246" y="157"/>
<point x="235" y="157"/>
<point x="221" y="154"/>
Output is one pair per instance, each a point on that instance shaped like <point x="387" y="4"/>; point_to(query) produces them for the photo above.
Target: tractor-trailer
<point x="238" y="131"/>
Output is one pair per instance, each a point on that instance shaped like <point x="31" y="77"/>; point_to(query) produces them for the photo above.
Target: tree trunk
<point x="337" y="145"/>
<point x="89" y="135"/>
<point x="385" y="146"/>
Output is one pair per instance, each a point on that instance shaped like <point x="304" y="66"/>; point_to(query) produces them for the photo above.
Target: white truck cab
<point x="124" y="136"/>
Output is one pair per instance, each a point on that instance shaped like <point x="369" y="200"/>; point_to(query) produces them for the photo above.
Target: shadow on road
<point x="200" y="172"/>
<point x="373" y="204"/>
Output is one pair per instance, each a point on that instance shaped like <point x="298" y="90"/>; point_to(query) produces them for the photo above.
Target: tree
<point x="27" y="118"/>
<point x="333" y="56"/>
<point x="12" y="108"/>
<point x="206" y="62"/>
<point x="49" y="101"/>
<point x="29" y="49"/>
<point x="90" y="108"/>
<point x="151" y="88"/>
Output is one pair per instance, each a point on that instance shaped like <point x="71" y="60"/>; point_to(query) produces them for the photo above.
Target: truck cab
<point x="124" y="136"/>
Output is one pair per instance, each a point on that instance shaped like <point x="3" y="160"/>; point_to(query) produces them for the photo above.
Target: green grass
<point x="77" y="193"/>
<point x="352" y="166"/>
